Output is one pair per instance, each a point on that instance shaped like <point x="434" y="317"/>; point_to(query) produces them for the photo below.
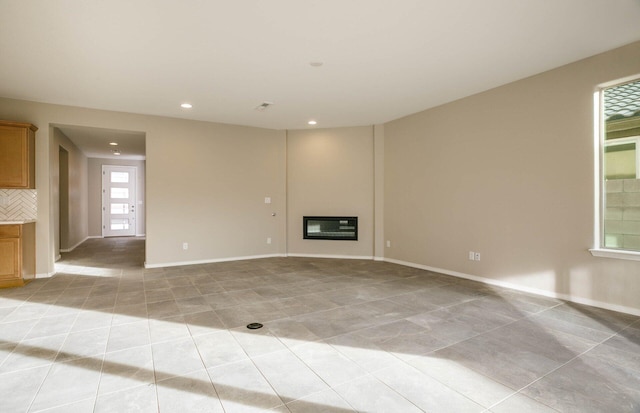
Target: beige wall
<point x="330" y="172"/>
<point x="205" y="183"/>
<point x="509" y="173"/>
<point x="76" y="229"/>
<point x="95" y="193"/>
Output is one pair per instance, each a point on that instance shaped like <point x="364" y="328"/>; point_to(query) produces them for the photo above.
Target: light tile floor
<point x="106" y="335"/>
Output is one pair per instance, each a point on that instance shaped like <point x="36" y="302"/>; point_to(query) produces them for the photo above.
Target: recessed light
<point x="115" y="151"/>
<point x="316" y="63"/>
<point x="113" y="143"/>
<point x="186" y="106"/>
<point x="312" y="122"/>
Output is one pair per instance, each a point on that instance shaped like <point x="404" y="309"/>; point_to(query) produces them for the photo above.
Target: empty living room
<point x="319" y="206"/>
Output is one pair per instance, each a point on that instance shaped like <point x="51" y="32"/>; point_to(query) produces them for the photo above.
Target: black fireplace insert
<point x="333" y="228"/>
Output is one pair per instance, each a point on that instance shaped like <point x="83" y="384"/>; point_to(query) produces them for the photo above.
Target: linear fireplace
<point x="333" y="228"/>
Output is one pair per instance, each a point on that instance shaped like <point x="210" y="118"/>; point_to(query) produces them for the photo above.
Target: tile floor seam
<point x="35" y="395"/>
<point x="577" y="356"/>
<point x="394" y="390"/>
<point x="322" y="391"/>
<point x="603" y="343"/>
<point x="453" y="344"/>
<point x="153" y="363"/>
<point x="275" y="392"/>
<point x="516" y="392"/>
<point x="97" y="389"/>
<point x="539" y="312"/>
<point x="62" y="405"/>
<point x="474" y="336"/>
<point x="25" y="369"/>
<point x="155" y="392"/>
<point x="631" y="326"/>
<point x="213" y="384"/>
<point x="21" y="321"/>
<point x="113" y="392"/>
<point x="257" y="368"/>
<point x="445" y="384"/>
<point x="126" y="348"/>
<point x="308" y="366"/>
<point x="106" y="347"/>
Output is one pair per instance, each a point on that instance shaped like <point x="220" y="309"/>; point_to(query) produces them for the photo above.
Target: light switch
<point x="267" y="200"/>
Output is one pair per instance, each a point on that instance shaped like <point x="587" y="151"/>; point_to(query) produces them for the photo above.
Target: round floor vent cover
<point x="254" y="326"/>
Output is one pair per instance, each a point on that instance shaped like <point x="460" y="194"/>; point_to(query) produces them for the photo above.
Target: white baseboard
<point x="339" y="257"/>
<point x="46" y="275"/>
<point x="210" y="261"/>
<point x="488" y="281"/>
<point x="545" y="293"/>
<point x="75" y="246"/>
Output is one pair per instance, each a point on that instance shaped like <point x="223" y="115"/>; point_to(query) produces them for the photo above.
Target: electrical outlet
<point x="268" y="240"/>
<point x="185" y="245"/>
<point x="477" y="256"/>
<point x="388" y="244"/>
<point x="267" y="200"/>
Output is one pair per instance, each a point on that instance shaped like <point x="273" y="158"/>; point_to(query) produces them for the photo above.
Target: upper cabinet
<point x="17" y="155"/>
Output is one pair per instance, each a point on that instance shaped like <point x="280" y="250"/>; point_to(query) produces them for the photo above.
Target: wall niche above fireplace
<point x="333" y="228"/>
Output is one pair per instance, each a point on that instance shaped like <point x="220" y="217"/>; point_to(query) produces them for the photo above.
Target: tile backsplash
<point x="18" y="204"/>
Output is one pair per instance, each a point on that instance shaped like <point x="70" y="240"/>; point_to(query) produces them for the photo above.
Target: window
<point x="619" y="111"/>
<point x="119" y="177"/>
<point x="119" y="208"/>
<point x="118" y="223"/>
<point x="119" y="193"/>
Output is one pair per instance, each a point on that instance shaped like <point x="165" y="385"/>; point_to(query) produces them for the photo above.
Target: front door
<point x="118" y="201"/>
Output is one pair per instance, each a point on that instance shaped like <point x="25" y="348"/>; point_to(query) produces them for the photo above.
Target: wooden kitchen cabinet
<point x="17" y="155"/>
<point x="17" y="254"/>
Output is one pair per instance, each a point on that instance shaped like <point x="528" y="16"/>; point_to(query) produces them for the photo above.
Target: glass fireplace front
<point x="334" y="228"/>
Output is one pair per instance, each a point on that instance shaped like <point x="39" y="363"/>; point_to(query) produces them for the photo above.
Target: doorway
<point x="119" y="188"/>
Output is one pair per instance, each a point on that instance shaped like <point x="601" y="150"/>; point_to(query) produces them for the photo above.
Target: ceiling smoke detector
<point x="264" y="105"/>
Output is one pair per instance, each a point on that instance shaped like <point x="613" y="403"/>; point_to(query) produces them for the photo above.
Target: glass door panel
<point x="119" y="200"/>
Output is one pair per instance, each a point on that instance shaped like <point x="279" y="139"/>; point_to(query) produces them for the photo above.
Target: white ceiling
<point x="382" y="59"/>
